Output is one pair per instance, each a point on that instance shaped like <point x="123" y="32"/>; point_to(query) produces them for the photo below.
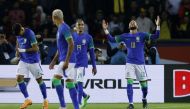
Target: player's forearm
<point x="17" y="54"/>
<point x="70" y="50"/>
<point x="55" y="57"/>
<point x="157" y="33"/>
<point x="33" y="49"/>
<point x="109" y="36"/>
<point x="36" y="49"/>
<point x="92" y="57"/>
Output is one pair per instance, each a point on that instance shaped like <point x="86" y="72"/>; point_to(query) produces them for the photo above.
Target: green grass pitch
<point x="105" y="106"/>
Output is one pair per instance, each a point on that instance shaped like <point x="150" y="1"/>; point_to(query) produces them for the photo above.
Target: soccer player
<point x="28" y="51"/>
<point x="65" y="46"/>
<point x="135" y="65"/>
<point x="83" y="43"/>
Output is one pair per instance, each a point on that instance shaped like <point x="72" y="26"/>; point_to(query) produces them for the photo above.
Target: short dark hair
<point x="16" y="28"/>
<point x="79" y="20"/>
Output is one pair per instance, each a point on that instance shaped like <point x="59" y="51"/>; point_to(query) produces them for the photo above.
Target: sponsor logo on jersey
<point x="23" y="41"/>
<point x="83" y="41"/>
<point x="138" y="39"/>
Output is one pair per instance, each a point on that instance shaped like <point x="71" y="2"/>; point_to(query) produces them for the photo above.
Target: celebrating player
<point x="83" y="43"/>
<point x="28" y="51"/>
<point x="65" y="46"/>
<point x="135" y="58"/>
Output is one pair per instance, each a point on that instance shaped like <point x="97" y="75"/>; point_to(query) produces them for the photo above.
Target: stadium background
<point x="173" y="45"/>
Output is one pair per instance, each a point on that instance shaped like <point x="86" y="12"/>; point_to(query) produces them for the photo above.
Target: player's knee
<point x="70" y="85"/>
<point x="130" y="81"/>
<point x="69" y="80"/>
<point x="144" y="84"/>
<point x="58" y="76"/>
<point x="79" y="82"/>
<point x="20" y="78"/>
<point x="39" y="80"/>
<point x="56" y="81"/>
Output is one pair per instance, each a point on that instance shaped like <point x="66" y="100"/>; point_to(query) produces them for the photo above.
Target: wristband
<point x="21" y="50"/>
<point x="158" y="28"/>
<point x="106" y="31"/>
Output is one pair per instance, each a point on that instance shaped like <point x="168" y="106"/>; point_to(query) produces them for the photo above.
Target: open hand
<point x="65" y="65"/>
<point x="104" y="24"/>
<point x="157" y="21"/>
<point x="51" y="65"/>
<point x="94" y="71"/>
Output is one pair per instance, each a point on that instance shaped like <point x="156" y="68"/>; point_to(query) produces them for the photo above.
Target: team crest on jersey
<point x="24" y="41"/>
<point x="138" y="39"/>
<point x="83" y="41"/>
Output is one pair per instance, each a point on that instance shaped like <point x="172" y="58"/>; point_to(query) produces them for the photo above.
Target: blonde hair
<point x="58" y="14"/>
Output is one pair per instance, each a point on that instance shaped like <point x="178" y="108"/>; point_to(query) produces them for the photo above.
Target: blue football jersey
<point x="135" y="45"/>
<point x="25" y="42"/>
<point x="83" y="42"/>
<point x="63" y="34"/>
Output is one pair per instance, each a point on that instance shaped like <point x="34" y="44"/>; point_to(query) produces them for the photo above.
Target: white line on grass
<point x="169" y="107"/>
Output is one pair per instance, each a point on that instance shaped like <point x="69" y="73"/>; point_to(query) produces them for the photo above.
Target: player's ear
<point x="22" y="30"/>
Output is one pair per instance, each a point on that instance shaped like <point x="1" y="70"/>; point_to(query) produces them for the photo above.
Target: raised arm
<point x="105" y="28"/>
<point x="157" y="34"/>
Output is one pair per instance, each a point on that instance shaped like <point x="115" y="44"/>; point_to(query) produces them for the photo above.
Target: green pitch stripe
<point x="105" y="106"/>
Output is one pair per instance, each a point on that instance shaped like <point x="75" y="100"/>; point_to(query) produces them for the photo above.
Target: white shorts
<point x="134" y="70"/>
<point x="80" y="74"/>
<point x="24" y="69"/>
<point x="69" y="73"/>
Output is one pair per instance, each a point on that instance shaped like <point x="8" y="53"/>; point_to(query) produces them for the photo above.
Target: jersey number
<point x="133" y="45"/>
<point x="78" y="47"/>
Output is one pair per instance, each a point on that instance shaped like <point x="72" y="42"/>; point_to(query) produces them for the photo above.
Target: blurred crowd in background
<point x="36" y="14"/>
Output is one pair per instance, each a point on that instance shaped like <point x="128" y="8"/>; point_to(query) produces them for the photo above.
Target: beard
<point x="80" y="32"/>
<point x="132" y="28"/>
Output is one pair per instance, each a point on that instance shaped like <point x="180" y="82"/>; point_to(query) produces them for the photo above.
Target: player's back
<point x="135" y="47"/>
<point x="25" y="42"/>
<point x="82" y="42"/>
<point x="63" y="34"/>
